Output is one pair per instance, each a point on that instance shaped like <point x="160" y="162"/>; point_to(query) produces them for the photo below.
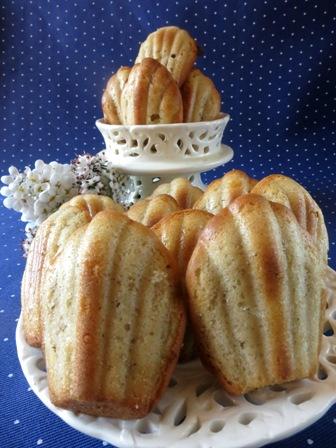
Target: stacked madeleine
<point x="162" y="87"/>
<point x="234" y="274"/>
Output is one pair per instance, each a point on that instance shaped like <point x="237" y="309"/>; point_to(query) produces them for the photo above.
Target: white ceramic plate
<point x="196" y="413"/>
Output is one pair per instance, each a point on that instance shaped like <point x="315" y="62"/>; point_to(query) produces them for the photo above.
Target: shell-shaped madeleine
<point x="149" y="211"/>
<point x="288" y="192"/>
<point x="111" y="99"/>
<point x="174" y="48"/>
<point x="93" y="203"/>
<point x="151" y="95"/>
<point x="179" y="232"/>
<point x="181" y="190"/>
<point x="114" y="319"/>
<point x="221" y="192"/>
<point x="201" y="99"/>
<point x="256" y="296"/>
<point x="50" y="238"/>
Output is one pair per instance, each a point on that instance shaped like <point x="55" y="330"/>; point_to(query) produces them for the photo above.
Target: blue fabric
<point x="274" y="63"/>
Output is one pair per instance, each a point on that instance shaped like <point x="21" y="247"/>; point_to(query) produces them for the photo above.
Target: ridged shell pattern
<point x="181" y="190"/>
<point x="93" y="204"/>
<point x="51" y="236"/>
<point x="111" y="99"/>
<point x="172" y="47"/>
<point x="114" y="321"/>
<point x="151" y="95"/>
<point x="255" y="283"/>
<point x="221" y="192"/>
<point x="179" y="232"/>
<point x="201" y="99"/>
<point x="149" y="211"/>
<point x="286" y="191"/>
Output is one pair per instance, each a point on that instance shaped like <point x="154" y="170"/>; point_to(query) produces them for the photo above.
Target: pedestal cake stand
<point x="156" y="154"/>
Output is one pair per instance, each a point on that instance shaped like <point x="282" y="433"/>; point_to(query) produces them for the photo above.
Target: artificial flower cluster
<point x="37" y="192"/>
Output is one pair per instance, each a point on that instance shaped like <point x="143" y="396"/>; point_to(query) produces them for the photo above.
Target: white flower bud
<point x="5" y="191"/>
<point x="7" y="179"/>
<point x="39" y="164"/>
<point x="8" y="202"/>
<point x="13" y="171"/>
<point x="44" y="196"/>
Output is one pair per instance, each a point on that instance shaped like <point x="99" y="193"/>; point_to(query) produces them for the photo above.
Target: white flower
<point x="39" y="191"/>
<point x="33" y="192"/>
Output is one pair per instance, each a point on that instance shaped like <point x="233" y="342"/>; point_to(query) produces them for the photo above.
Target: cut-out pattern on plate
<point x="196" y="413"/>
<point x="173" y="141"/>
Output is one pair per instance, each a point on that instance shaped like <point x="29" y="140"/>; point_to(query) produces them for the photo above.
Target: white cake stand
<point x="156" y="154"/>
<point x="195" y="412"/>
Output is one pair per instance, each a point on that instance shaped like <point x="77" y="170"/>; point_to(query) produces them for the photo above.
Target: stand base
<point x="147" y="177"/>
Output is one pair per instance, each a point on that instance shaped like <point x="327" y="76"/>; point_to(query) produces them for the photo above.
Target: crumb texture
<point x="114" y="321"/>
<point x="256" y="296"/>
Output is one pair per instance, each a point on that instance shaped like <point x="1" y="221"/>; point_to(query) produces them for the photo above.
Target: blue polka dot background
<point x="274" y="64"/>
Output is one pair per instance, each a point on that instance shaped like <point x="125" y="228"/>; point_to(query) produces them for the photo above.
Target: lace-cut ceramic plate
<point x="196" y="413"/>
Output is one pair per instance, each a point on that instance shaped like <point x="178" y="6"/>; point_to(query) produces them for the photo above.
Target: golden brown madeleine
<point x="51" y="236"/>
<point x="172" y="47"/>
<point x="114" y="320"/>
<point x="112" y="95"/>
<point x="151" y="95"/>
<point x="256" y="296"/>
<point x="179" y="233"/>
<point x="221" y="192"/>
<point x="93" y="203"/>
<point x="181" y="190"/>
<point x="286" y="191"/>
<point x="201" y="99"/>
<point x="149" y="211"/>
